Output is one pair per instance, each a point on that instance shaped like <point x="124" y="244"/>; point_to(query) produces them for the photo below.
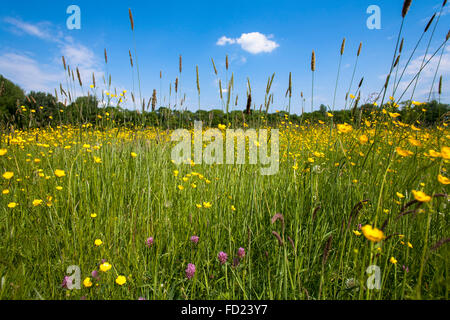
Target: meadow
<point x="357" y="210"/>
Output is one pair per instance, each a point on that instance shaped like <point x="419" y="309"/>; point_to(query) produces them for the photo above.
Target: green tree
<point x="10" y="96"/>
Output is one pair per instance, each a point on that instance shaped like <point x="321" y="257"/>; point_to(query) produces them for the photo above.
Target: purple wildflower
<point x="65" y="282"/>
<point x="190" y="271"/>
<point x="241" y="253"/>
<point x="150" y="242"/>
<point x="223" y="257"/>
<point x="94" y="274"/>
<point x="194" y="239"/>
<point x="141" y="298"/>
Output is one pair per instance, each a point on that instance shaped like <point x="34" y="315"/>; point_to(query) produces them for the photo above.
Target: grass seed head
<point x="406" y="6"/>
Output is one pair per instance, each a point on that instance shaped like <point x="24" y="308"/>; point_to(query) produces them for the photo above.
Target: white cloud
<point x="416" y="64"/>
<point x="30" y="29"/>
<point x="224" y="41"/>
<point x="36" y="75"/>
<point x="28" y="73"/>
<point x="426" y="75"/>
<point x="253" y="42"/>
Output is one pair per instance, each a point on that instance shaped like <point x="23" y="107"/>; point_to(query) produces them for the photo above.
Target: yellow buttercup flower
<point x="363" y="139"/>
<point x="134" y="155"/>
<point x="121" y="280"/>
<point x="8" y="175"/>
<point x="403" y="153"/>
<point x="87" y="282"/>
<point x="443" y="179"/>
<point x="373" y="234"/>
<point x="207" y="205"/>
<point x="104" y="267"/>
<point x="98" y="242"/>
<point x="394" y="115"/>
<point x="97" y="160"/>
<point x="445" y="153"/>
<point x="3" y="152"/>
<point x="60" y="173"/>
<point x="414" y="142"/>
<point x="434" y="154"/>
<point x="344" y="128"/>
<point x="357" y="233"/>
<point x="37" y="202"/>
<point x="401" y="196"/>
<point x="393" y="260"/>
<point x="12" y="205"/>
<point x="421" y="196"/>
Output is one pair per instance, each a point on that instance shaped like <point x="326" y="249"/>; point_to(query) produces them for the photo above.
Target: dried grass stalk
<point x="280" y="241"/>
<point x="131" y="58"/>
<point x="131" y="19"/>
<point x="342" y="47"/>
<point x="277" y="217"/>
<point x="429" y="23"/>
<point x="214" y="66"/>
<point x="406" y="6"/>
<point x="79" y="77"/>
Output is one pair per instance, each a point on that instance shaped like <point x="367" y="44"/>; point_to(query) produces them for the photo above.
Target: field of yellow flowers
<point x="355" y="212"/>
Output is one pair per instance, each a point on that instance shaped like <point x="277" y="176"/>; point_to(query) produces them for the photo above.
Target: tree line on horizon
<point x="40" y="109"/>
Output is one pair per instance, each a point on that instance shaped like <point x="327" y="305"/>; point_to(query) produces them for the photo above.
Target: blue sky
<point x="262" y="37"/>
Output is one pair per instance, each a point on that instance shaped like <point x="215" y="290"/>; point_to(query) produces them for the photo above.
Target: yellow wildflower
<point x="12" y="205"/>
<point x="421" y="196"/>
<point x="443" y="180"/>
<point x="60" y="173"/>
<point x="104" y="267"/>
<point x="121" y="280"/>
<point x="8" y="175"/>
<point x="372" y="234"/>
<point x="37" y="202"/>
<point x="87" y="282"/>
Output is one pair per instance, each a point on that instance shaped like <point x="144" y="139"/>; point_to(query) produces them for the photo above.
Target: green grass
<point x="137" y="198"/>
